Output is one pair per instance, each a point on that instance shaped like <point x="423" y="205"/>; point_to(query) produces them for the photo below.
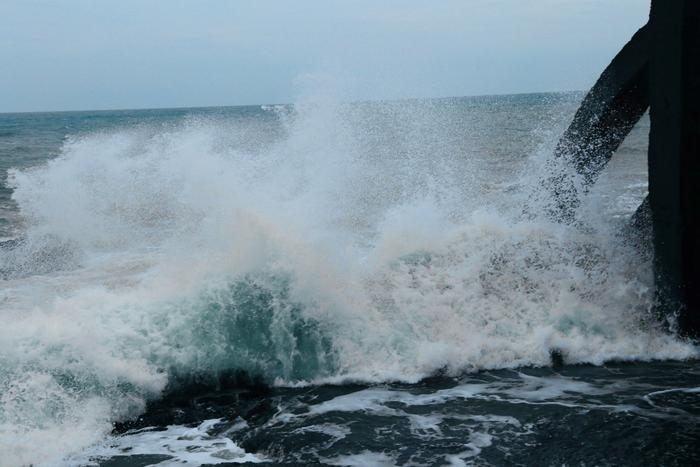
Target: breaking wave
<point x="299" y="246"/>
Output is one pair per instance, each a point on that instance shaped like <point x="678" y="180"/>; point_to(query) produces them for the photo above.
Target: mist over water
<point x="316" y="243"/>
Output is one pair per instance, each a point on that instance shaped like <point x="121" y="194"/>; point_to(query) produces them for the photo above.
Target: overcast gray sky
<point x="81" y="54"/>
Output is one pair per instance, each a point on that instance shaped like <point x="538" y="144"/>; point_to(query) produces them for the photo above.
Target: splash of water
<point x="329" y="251"/>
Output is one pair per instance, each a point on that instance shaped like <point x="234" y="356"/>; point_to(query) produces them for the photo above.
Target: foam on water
<point x="506" y="412"/>
<point x="363" y="458"/>
<point x="159" y="252"/>
<point x="179" y="445"/>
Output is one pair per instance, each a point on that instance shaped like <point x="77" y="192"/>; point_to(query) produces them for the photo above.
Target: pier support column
<point x="674" y="157"/>
<point x="607" y="114"/>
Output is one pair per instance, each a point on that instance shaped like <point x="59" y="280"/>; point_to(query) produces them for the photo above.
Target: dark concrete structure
<point x="607" y="114"/>
<point x="674" y="156"/>
<point x="658" y="69"/>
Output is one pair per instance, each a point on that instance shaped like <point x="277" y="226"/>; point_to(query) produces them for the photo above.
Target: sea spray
<point x="323" y="242"/>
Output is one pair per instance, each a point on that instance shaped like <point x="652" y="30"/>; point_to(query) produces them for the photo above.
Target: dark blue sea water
<point x="328" y="283"/>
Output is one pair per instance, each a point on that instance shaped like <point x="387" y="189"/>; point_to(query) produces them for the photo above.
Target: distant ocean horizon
<point x="291" y="102"/>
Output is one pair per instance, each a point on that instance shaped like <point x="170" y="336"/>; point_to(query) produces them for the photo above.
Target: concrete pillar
<point x="607" y="114"/>
<point x="674" y="157"/>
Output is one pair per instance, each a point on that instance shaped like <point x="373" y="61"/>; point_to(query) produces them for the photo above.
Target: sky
<point x="121" y="54"/>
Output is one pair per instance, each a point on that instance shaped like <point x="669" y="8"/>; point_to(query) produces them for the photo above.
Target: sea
<point x="330" y="283"/>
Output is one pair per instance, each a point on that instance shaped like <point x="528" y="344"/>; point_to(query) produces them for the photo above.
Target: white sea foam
<point x="362" y="459"/>
<point x="329" y="254"/>
<point x="179" y="444"/>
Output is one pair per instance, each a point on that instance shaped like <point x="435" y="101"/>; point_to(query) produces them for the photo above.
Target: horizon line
<point x="358" y="101"/>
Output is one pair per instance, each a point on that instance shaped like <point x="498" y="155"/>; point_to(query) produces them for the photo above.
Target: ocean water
<point x="328" y="283"/>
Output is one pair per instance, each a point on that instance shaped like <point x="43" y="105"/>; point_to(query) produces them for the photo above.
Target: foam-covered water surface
<point x="307" y="245"/>
<point x="617" y="414"/>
